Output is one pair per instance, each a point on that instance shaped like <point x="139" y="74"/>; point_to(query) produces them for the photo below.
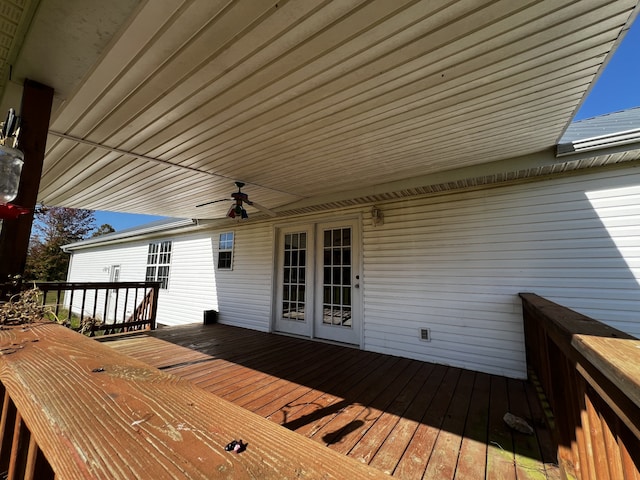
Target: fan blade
<point x="271" y="213"/>
<point x="214" y="201"/>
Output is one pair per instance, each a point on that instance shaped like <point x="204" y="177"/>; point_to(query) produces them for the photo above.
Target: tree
<point x="53" y="228"/>
<point x="103" y="230"/>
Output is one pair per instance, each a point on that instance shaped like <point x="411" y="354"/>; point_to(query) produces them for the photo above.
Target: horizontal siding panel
<point x="465" y="334"/>
<point x="192" y="282"/>
<point x="244" y="293"/>
<point x="452" y="263"/>
<point x="443" y="341"/>
<point x="457" y="355"/>
<point x="455" y="264"/>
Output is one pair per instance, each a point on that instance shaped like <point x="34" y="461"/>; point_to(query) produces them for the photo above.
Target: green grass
<point x="62" y="316"/>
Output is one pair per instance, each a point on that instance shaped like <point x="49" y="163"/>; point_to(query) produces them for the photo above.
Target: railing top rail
<point x="611" y="351"/>
<point x="92" y="285"/>
<point x="96" y="413"/>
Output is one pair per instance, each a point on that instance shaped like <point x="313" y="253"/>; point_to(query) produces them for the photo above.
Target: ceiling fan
<point x="240" y="198"/>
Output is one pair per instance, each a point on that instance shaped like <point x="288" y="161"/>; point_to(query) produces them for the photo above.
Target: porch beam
<point x="14" y="236"/>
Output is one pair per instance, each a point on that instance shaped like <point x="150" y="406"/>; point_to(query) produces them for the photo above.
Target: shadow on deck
<point x="408" y="418"/>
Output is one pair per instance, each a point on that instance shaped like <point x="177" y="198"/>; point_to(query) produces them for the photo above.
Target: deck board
<point x="407" y="418"/>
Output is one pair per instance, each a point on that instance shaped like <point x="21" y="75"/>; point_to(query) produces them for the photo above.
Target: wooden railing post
<point x="154" y="305"/>
<point x="590" y="373"/>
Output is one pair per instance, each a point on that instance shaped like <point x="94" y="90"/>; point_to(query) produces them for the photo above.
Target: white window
<point x="225" y="251"/>
<point x="158" y="263"/>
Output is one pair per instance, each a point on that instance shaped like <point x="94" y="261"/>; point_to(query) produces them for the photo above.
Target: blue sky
<point x="618" y="88"/>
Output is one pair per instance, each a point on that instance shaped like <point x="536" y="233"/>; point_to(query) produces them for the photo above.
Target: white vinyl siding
<point x="455" y="264"/>
<point x="192" y="288"/>
<point x="452" y="263"/>
<point x="244" y="293"/>
<point x="94" y="265"/>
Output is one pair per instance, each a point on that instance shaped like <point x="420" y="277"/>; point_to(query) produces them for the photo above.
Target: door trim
<point x="281" y="323"/>
<point x="312" y="226"/>
<point x="349" y="335"/>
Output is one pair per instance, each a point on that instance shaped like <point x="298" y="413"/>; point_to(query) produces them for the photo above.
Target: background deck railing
<point x="75" y="409"/>
<point x="590" y="374"/>
<point x="101" y="308"/>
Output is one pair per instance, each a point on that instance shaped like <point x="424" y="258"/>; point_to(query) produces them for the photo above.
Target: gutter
<point x="142" y="231"/>
<point x="604" y="144"/>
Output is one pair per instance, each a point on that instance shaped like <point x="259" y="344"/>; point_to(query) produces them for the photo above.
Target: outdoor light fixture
<point x="11" y="161"/>
<point x="237" y="212"/>
<point x="377" y="217"/>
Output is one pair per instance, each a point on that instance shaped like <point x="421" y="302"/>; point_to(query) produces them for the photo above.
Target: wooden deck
<point x="408" y="418"/>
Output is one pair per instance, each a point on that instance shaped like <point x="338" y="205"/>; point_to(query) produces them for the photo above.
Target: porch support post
<point x="34" y="125"/>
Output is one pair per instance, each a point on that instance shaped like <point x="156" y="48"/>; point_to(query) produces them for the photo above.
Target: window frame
<point x="226" y="244"/>
<point x="159" y="259"/>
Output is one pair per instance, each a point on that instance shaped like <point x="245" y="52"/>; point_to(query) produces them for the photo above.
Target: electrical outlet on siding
<point x="425" y="334"/>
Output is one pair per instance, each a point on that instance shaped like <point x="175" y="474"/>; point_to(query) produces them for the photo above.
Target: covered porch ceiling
<point x="161" y="105"/>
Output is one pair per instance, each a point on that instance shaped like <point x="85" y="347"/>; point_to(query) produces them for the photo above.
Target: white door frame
<point x="350" y="333"/>
<point x="312" y="326"/>
<point x="286" y="322"/>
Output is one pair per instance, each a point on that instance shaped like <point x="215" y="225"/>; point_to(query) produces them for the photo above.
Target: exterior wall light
<point x="377" y="217"/>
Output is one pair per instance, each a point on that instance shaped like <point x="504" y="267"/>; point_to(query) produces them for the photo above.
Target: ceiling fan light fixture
<point x="237" y="212"/>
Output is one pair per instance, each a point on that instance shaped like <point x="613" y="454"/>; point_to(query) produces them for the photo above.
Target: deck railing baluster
<point x="114" y="305"/>
<point x="126" y="302"/>
<point x="58" y="295"/>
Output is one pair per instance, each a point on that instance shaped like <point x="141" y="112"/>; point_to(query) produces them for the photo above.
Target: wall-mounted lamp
<point x="377" y="217"/>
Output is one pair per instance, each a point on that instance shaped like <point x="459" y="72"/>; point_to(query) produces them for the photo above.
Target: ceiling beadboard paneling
<point x="304" y="99"/>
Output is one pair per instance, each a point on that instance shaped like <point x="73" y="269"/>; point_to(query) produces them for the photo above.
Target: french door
<point x="293" y="314"/>
<point x="319" y="282"/>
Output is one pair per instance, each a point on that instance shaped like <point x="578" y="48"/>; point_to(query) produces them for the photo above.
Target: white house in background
<point x="431" y="275"/>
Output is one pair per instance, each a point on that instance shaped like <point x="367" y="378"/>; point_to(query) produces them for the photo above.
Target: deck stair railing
<point x="102" y="308"/>
<point x="590" y="375"/>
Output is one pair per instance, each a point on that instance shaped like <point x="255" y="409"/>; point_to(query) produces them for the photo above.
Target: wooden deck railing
<point x="590" y="373"/>
<point x="76" y="409"/>
<point x="103" y="307"/>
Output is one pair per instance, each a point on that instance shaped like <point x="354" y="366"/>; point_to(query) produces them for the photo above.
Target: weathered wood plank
<point x="390" y="411"/>
<point x="129" y="420"/>
<point x="393" y="448"/>
<point x="443" y="460"/>
<point x="473" y="451"/>
<point x="528" y="458"/>
<point x="309" y="406"/>
<point x="543" y="434"/>
<point x="500" y="450"/>
<point x="414" y="461"/>
<point x="376" y="435"/>
<point x="308" y="421"/>
<point x="344" y="430"/>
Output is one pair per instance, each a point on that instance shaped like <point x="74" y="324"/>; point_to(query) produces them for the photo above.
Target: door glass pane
<point x="293" y="291"/>
<point x="337" y="277"/>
